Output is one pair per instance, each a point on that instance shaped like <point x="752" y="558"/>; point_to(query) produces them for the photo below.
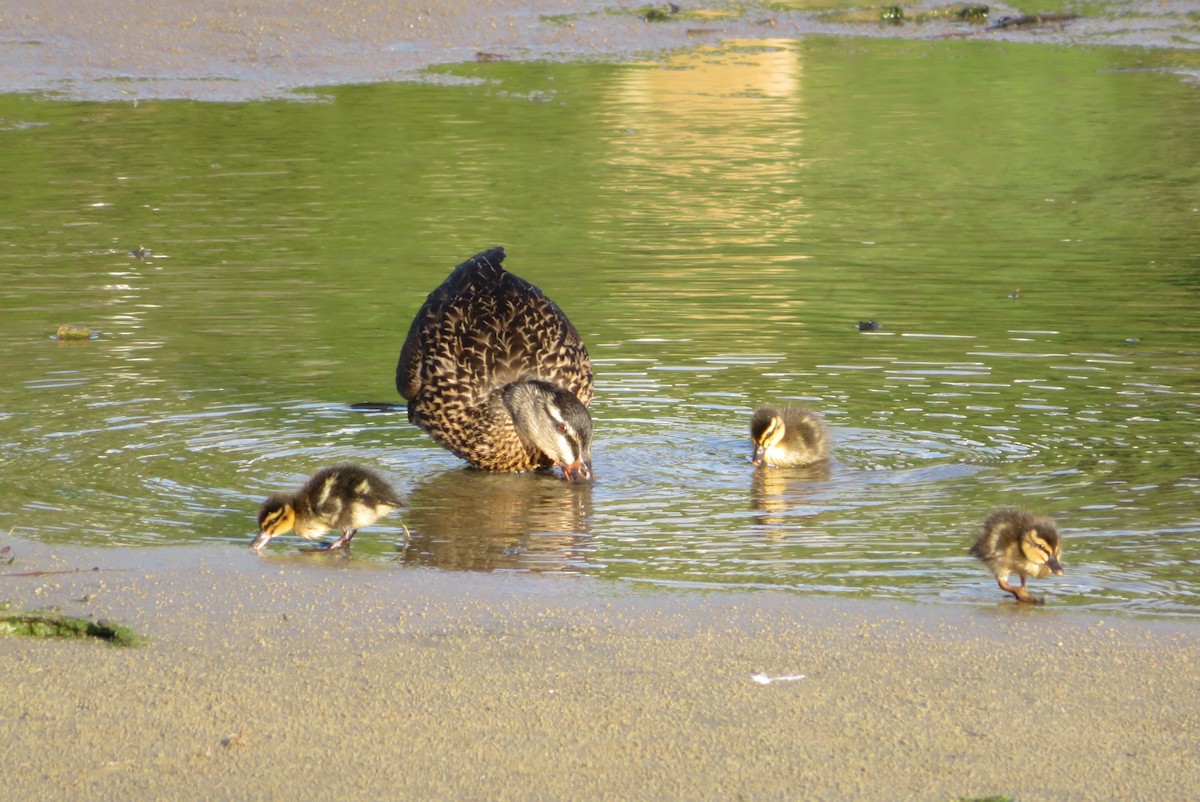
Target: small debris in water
<point x="869" y="325"/>
<point x="1030" y="20"/>
<point x="141" y="252"/>
<point x="763" y="679"/>
<point x="70" y="332"/>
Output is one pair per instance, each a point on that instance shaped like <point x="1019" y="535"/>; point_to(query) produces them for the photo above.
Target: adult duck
<point x="494" y="371"/>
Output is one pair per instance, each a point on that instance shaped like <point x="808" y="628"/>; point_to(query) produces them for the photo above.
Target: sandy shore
<point x="302" y="677"/>
<point x="231" y="50"/>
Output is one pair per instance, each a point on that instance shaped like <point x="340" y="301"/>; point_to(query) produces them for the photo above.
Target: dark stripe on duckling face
<point x="1042" y="548"/>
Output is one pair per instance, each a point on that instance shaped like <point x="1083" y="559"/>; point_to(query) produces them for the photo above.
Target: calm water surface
<point x="1023" y="220"/>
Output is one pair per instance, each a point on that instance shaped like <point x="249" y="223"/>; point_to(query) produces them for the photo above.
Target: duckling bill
<point x="1018" y="542"/>
<point x="345" y="498"/>
<point x="793" y="436"/>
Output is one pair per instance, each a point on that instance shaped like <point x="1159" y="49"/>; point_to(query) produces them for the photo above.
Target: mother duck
<point x="494" y="372"/>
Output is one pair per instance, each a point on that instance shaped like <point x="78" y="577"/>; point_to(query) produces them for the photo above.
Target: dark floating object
<point x="378" y="406"/>
<point x="141" y="252"/>
<point x="1015" y="293"/>
<point x="481" y="56"/>
<point x="1018" y="542"/>
<point x="869" y="325"/>
<point x="1030" y="21"/>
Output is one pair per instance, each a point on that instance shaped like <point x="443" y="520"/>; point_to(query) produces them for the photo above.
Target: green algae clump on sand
<point x="50" y="625"/>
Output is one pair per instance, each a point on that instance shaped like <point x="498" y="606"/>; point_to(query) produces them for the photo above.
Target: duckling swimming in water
<point x="345" y="497"/>
<point x="791" y="437"/>
<point x="1017" y="542"/>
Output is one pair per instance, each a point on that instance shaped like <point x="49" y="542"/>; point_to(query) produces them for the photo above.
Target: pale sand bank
<point x="232" y="50"/>
<point x="291" y="677"/>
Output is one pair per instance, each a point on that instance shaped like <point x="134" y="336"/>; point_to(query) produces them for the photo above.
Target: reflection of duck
<point x="347" y="497"/>
<point x="494" y="372"/>
<point x="462" y="520"/>
<point x="1018" y="542"/>
<point x="774" y="495"/>
<point x="793" y="436"/>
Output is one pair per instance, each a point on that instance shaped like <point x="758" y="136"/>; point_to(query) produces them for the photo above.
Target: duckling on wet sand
<point x="494" y="371"/>
<point x="1017" y="542"/>
<point x="345" y="497"/>
<point x="789" y="437"/>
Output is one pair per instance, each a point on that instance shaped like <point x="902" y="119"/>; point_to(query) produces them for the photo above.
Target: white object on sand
<point x="763" y="679"/>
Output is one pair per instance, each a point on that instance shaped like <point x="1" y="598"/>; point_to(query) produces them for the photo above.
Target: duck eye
<point x="562" y="428"/>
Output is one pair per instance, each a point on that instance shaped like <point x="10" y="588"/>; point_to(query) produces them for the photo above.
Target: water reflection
<point x="778" y="494"/>
<point x="720" y="135"/>
<point x="471" y="520"/>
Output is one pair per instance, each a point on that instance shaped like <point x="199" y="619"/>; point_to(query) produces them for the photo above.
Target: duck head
<point x="766" y="431"/>
<point x="1041" y="546"/>
<point x="277" y="516"/>
<point x="556" y="423"/>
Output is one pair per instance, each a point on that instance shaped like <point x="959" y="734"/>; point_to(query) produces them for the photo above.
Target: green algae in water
<point x="896" y="15"/>
<point x="50" y="625"/>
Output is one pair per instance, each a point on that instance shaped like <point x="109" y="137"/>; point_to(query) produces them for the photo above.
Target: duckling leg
<point x="1020" y="593"/>
<point x="342" y="542"/>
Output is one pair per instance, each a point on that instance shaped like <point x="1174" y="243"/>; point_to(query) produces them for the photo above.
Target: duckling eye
<point x="562" y="428"/>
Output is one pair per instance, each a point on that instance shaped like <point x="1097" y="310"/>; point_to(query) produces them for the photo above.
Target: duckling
<point x="791" y="437"/>
<point x="494" y="371"/>
<point x="1017" y="542"/>
<point x="345" y="497"/>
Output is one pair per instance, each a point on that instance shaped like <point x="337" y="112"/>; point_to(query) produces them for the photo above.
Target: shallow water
<point x="715" y="223"/>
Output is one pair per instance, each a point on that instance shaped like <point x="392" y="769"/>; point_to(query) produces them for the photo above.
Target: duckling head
<point x="555" y="422"/>
<point x="1040" y="545"/>
<point x="766" y="431"/>
<point x="277" y="516"/>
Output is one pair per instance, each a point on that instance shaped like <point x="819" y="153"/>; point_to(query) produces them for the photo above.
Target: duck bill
<point x="1055" y="566"/>
<point x="578" y="471"/>
<point x="760" y="454"/>
<point x="260" y="540"/>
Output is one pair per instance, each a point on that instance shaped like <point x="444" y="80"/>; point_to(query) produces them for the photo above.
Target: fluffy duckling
<point x="1017" y="542"/>
<point x="345" y="497"/>
<point x="791" y="437"/>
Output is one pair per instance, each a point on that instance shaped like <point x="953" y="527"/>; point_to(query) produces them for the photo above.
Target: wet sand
<point x="308" y="677"/>
<point x="226" y="50"/>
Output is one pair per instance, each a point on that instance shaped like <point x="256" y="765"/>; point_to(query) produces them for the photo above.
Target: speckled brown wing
<point x="480" y="330"/>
